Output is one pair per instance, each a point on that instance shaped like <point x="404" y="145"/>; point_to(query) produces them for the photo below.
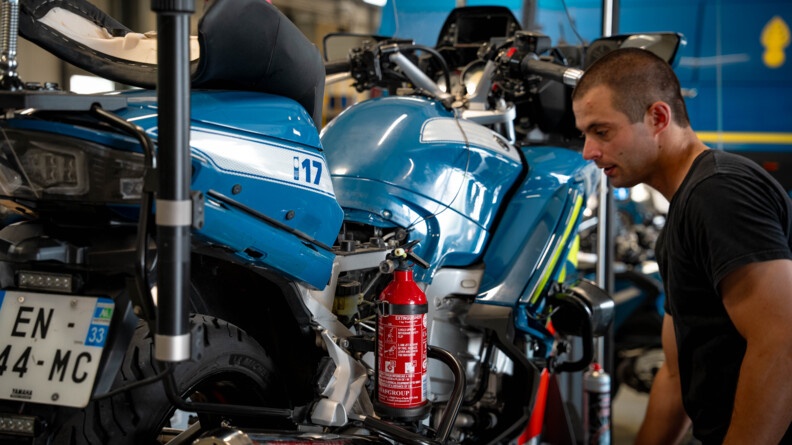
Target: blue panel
<point x="415" y="19"/>
<point x="431" y="182"/>
<point x="258" y="113"/>
<point x="297" y="203"/>
<point x="259" y="243"/>
<point x="250" y="131"/>
<point x="421" y="20"/>
<point x="259" y="150"/>
<point x="518" y="252"/>
<point x="723" y="65"/>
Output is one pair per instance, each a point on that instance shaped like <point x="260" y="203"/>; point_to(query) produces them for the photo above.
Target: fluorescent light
<point x="379" y="3"/>
<point x="81" y="84"/>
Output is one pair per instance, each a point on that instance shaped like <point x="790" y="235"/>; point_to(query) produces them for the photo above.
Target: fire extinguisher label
<point x="402" y="367"/>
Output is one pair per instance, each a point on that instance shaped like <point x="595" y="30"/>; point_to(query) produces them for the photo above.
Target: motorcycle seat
<point x="241" y="45"/>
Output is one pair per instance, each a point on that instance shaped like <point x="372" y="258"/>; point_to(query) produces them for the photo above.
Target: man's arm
<point x="665" y="421"/>
<point x="758" y="299"/>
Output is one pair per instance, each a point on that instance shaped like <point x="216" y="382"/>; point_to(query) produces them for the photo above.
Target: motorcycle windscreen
<point x="241" y="45"/>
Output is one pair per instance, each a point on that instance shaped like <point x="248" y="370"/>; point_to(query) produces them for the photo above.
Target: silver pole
<point x="606" y="213"/>
<point x="608" y="9"/>
<point x="606" y="205"/>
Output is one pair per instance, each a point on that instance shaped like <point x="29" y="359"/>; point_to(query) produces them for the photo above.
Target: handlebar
<point x="564" y="74"/>
<point x="337" y="67"/>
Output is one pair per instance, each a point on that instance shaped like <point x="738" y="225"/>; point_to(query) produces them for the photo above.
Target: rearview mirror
<point x="663" y="44"/>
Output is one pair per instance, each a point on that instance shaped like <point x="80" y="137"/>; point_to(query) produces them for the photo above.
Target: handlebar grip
<point x="338" y="66"/>
<point x="564" y="74"/>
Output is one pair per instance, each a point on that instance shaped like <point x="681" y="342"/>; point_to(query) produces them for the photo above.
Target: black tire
<point x="233" y="369"/>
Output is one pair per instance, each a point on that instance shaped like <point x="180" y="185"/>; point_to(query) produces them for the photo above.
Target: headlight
<point x="37" y="166"/>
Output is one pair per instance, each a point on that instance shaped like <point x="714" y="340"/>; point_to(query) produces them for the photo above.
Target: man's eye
<point x="601" y="133"/>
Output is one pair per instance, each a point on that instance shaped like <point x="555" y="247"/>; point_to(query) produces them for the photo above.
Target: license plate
<point x="50" y="346"/>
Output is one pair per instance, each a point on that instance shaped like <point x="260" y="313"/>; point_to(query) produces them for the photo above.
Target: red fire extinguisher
<point x="401" y="341"/>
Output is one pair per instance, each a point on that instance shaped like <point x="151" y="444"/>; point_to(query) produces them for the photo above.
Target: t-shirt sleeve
<point x="736" y="220"/>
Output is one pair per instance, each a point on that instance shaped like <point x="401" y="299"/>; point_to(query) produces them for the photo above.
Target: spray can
<point x="596" y="406"/>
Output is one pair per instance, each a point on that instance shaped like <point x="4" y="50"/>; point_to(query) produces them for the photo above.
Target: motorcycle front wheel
<point x="233" y="369"/>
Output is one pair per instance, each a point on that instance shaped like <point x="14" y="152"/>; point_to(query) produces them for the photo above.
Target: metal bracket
<point x="197" y="209"/>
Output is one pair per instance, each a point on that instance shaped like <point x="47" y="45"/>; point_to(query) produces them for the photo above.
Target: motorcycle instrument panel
<point x="50" y="346"/>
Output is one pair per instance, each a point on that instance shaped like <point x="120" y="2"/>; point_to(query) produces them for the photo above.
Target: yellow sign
<point x="775" y="37"/>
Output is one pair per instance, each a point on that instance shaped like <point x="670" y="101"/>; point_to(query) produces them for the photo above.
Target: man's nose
<point x="591" y="150"/>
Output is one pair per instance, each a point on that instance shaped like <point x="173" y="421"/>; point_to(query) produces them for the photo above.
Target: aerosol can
<point x="596" y="405"/>
<point x="401" y="341"/>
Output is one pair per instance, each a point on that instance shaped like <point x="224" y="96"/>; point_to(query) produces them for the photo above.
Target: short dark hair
<point x="638" y="78"/>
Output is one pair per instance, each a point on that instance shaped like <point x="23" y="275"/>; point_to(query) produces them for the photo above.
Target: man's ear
<point x="659" y="116"/>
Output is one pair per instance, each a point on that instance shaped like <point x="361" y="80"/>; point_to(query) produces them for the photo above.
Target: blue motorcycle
<point x="293" y="236"/>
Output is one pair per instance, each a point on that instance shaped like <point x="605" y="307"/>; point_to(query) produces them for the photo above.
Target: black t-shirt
<point x="727" y="213"/>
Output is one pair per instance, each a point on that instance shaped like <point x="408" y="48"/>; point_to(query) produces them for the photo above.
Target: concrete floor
<point x="629" y="407"/>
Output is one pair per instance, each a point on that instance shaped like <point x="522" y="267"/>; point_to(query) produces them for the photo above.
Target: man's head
<point x="638" y="78"/>
<point x="629" y="107"/>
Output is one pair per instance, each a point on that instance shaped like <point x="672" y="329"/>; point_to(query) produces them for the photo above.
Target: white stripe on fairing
<point x="446" y="129"/>
<point x="265" y="161"/>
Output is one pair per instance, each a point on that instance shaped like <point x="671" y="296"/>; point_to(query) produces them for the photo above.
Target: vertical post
<point x="605" y="275"/>
<point x="529" y="15"/>
<point x="174" y="207"/>
<point x="606" y="210"/>
<point x="610" y="17"/>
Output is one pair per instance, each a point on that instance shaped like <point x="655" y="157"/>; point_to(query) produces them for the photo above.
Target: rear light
<point x="17" y="424"/>
<point x="45" y="281"/>
<point x="37" y="166"/>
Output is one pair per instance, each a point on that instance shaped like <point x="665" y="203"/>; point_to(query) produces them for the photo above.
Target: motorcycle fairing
<point x="529" y="235"/>
<point x="249" y="114"/>
<point x="233" y="156"/>
<point x="448" y="194"/>
<point x="266" y="183"/>
<point x="283" y="177"/>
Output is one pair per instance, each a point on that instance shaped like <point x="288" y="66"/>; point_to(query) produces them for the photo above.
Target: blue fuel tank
<point x="408" y="162"/>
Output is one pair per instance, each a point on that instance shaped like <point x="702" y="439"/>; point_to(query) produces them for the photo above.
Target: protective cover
<point x="243" y="45"/>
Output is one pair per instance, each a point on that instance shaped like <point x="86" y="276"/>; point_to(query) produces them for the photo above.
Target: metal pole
<point x="607" y="213"/>
<point x="610" y="17"/>
<point x="174" y="207"/>
<point x="529" y="15"/>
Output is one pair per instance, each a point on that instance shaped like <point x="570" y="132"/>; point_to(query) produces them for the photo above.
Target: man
<point x="724" y="256"/>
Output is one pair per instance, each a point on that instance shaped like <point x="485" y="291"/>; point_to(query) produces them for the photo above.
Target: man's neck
<point x="682" y="148"/>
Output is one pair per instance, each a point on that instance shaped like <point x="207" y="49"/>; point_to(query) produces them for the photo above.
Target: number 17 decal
<point x="312" y="168"/>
